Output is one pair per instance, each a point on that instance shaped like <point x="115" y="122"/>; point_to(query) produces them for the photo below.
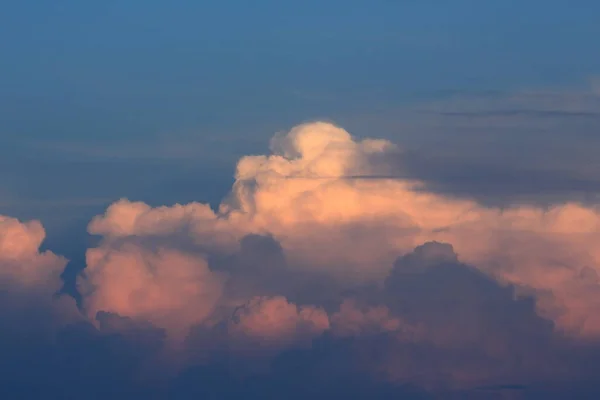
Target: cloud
<point x="49" y="349"/>
<point x="475" y="327"/>
<point x="32" y="312"/>
<point x="275" y="323"/>
<point x="20" y="257"/>
<point x="353" y="320"/>
<point x="446" y="327"/>
<point x="165" y="287"/>
<point x="346" y="230"/>
<point x="312" y="264"/>
<point x="29" y="279"/>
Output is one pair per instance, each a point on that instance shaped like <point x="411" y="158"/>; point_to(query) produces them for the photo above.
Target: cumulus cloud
<point x="317" y="250"/>
<point x="276" y="323"/>
<point x="445" y="326"/>
<point x="30" y="279"/>
<point x="20" y="257"/>
<point x="319" y="197"/>
<point x="478" y="328"/>
<point x="352" y="320"/>
<point x="32" y="312"/>
<point x="166" y="287"/>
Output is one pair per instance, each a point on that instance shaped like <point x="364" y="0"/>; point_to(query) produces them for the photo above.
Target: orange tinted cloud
<point x="20" y="259"/>
<point x="315" y="197"/>
<point x="352" y="320"/>
<point x="30" y="278"/>
<point x="165" y="287"/>
<point x="274" y="323"/>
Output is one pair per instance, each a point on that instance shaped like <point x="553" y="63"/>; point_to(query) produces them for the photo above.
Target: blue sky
<point x="116" y="88"/>
<point x="82" y="72"/>
<point x="77" y="71"/>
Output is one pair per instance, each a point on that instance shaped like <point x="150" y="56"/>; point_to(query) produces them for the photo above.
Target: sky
<point x="272" y="199"/>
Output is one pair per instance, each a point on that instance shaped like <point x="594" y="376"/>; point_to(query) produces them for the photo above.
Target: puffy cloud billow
<point x="323" y="267"/>
<point x="30" y="279"/>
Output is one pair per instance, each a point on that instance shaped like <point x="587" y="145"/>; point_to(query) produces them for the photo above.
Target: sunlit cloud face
<point x="32" y="312"/>
<point x="20" y="258"/>
<point x="30" y="278"/>
<point x="275" y="323"/>
<point x="324" y="197"/>
<point x="353" y="320"/>
<point x="166" y="287"/>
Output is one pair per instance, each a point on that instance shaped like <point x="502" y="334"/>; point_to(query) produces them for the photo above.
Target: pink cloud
<point x="20" y="259"/>
<point x="328" y="223"/>
<point x="169" y="288"/>
<point x="274" y="323"/>
<point x="352" y="320"/>
<point x="30" y="279"/>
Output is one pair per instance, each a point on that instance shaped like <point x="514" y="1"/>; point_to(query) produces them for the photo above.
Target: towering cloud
<point x="319" y="272"/>
<point x="318" y="260"/>
<point x="332" y="204"/>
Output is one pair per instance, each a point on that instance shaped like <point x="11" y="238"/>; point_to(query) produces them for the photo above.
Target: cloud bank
<point x="319" y="261"/>
<point x="321" y="197"/>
